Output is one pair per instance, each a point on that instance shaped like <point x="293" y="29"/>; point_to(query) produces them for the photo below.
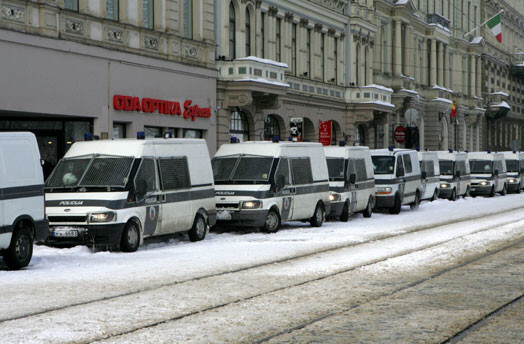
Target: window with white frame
<point x="112" y="9"/>
<point x="294" y="48"/>
<point x="71" y="5"/>
<point x="148" y="13"/>
<point x="248" y="33"/>
<point x="278" y="50"/>
<point x="308" y="53"/>
<point x="188" y="19"/>
<point x="232" y="31"/>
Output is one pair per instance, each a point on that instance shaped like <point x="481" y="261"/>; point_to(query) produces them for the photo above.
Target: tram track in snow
<point x="405" y="231"/>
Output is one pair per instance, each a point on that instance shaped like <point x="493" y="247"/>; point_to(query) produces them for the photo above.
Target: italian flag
<point x="453" y="109"/>
<point x="495" y="27"/>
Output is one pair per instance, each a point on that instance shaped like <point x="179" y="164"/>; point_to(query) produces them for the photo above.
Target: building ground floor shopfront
<point x="65" y="92"/>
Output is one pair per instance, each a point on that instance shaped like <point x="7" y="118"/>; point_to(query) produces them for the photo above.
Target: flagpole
<point x="484" y="23"/>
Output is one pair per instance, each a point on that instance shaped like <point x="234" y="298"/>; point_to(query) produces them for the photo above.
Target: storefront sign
<point x="324" y="133"/>
<point x="164" y="107"/>
<point x="296" y="129"/>
<point x="400" y="134"/>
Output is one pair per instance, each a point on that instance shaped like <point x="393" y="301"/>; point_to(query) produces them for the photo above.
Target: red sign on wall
<point x="400" y="134"/>
<point x="164" y="107"/>
<point x="324" y="133"/>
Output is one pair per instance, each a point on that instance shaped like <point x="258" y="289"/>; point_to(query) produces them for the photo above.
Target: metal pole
<point x="484" y="23"/>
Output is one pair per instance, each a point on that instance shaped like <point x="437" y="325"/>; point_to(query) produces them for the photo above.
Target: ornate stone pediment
<point x="336" y="5"/>
<point x="238" y="99"/>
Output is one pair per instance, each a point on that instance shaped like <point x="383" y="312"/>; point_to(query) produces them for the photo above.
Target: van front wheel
<point x="318" y="216"/>
<point x="369" y="209"/>
<point x="396" y="206"/>
<point x="20" y="250"/>
<point x="272" y="222"/>
<point x="130" y="237"/>
<point x="344" y="217"/>
<point x="198" y="231"/>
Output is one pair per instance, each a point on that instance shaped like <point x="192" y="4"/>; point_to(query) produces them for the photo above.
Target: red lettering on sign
<point x="164" y="107"/>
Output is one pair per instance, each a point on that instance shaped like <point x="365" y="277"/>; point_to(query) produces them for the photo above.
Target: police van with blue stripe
<point x="22" y="215"/>
<point x="117" y="192"/>
<point x="262" y="184"/>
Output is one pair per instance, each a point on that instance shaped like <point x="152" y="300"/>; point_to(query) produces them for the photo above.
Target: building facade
<point x="281" y="62"/>
<point x="107" y="69"/>
<point x="503" y="77"/>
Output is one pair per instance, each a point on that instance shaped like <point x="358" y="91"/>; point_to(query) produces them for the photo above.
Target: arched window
<point x="271" y="127"/>
<point x="232" y="31"/>
<point x="238" y="126"/>
<point x="248" y="33"/>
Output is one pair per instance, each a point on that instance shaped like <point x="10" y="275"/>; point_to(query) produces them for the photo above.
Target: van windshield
<point x="91" y="171"/>
<point x="481" y="166"/>
<point x="242" y="168"/>
<point x="446" y="167"/>
<point x="335" y="168"/>
<point x="512" y="165"/>
<point x="383" y="164"/>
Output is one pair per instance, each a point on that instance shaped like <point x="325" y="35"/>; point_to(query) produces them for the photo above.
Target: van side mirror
<point x="352" y="178"/>
<point x="522" y="170"/>
<point x="424" y="175"/>
<point x="141" y="188"/>
<point x="496" y="172"/>
<point x="457" y="174"/>
<point x="281" y="182"/>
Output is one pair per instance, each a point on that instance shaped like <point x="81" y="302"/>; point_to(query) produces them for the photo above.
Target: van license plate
<point x="65" y="233"/>
<point x="224" y="215"/>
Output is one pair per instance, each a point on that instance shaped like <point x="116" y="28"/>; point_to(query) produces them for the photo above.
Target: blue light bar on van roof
<point x="417" y="148"/>
<point x="450" y="150"/>
<point x="276" y="139"/>
<point x="140" y="135"/>
<point x="342" y="143"/>
<point x="391" y="148"/>
<point x="489" y="152"/>
<point x="234" y="140"/>
<point x="168" y="135"/>
<point x="88" y="137"/>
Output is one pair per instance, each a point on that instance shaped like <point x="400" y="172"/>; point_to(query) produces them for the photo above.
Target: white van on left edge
<point x="117" y="192"/>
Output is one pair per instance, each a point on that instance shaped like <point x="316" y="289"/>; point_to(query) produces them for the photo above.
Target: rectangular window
<point x="400" y="166"/>
<point x="119" y="130"/>
<point x="174" y="173"/>
<point x="262" y="35"/>
<point x="360" y="167"/>
<point x="282" y="173"/>
<point x="322" y="38"/>
<point x="188" y="19"/>
<point x="407" y="163"/>
<point x="301" y="169"/>
<point x="153" y="132"/>
<point x="192" y="134"/>
<point x="278" y="48"/>
<point x="148" y="13"/>
<point x="112" y="9"/>
<point x="294" y="49"/>
<point x="146" y="175"/>
<point x="71" y="5"/>
<point x="335" y="65"/>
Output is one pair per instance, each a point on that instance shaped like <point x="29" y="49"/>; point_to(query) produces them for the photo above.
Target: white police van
<point x="488" y="173"/>
<point x="351" y="181"/>
<point x="430" y="171"/>
<point x="515" y="170"/>
<point x="455" y="178"/>
<point x="118" y="192"/>
<point x="22" y="215"/>
<point x="261" y="184"/>
<point x="397" y="178"/>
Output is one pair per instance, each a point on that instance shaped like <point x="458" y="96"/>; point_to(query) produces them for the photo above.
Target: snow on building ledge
<point x="441" y="100"/>
<point x="254" y="69"/>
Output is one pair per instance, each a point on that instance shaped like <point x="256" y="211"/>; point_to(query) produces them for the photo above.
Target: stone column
<point x="472" y="72"/>
<point x="440" y="64"/>
<point x="389" y="50"/>
<point x="433" y="63"/>
<point x="286" y="37"/>
<point x="397" y="61"/>
<point x="409" y="64"/>
<point x="479" y="77"/>
<point x="340" y="58"/>
<point x="446" y="67"/>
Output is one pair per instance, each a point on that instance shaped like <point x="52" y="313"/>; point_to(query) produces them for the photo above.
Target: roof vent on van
<point x="88" y="137"/>
<point x="391" y="148"/>
<point x="342" y="143"/>
<point x="276" y="138"/>
<point x="140" y="135"/>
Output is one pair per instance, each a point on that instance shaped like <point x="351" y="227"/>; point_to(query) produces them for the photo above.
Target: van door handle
<point x="293" y="191"/>
<point x="163" y="198"/>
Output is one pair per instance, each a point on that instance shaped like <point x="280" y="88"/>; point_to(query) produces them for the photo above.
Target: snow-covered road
<point x="58" y="278"/>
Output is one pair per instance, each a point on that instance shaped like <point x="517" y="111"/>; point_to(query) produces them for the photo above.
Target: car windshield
<point x="91" y="171"/>
<point x="512" y="165"/>
<point x="446" y="167"/>
<point x="242" y="168"/>
<point x="481" y="166"/>
<point x="336" y="168"/>
<point x="383" y="164"/>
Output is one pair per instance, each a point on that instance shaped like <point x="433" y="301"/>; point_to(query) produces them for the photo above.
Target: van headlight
<point x="102" y="217"/>
<point x="444" y="185"/>
<point x="484" y="183"/>
<point x="384" y="190"/>
<point x="334" y="197"/>
<point x="511" y="180"/>
<point x="251" y="204"/>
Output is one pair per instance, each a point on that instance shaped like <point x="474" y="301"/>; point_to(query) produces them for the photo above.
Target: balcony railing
<point x="436" y="18"/>
<point x="253" y="69"/>
<point x="369" y="94"/>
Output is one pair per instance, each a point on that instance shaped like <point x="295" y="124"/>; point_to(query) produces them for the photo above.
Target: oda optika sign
<point x="164" y="107"/>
